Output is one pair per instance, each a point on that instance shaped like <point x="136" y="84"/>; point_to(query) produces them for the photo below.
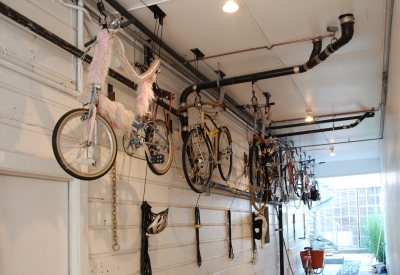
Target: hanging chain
<point x="235" y="190"/>
<point x="116" y="246"/>
<point x="175" y="161"/>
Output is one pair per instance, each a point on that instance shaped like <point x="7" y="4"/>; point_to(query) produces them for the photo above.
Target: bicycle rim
<point x="225" y="153"/>
<point x="158" y="135"/>
<point x="79" y="157"/>
<point x="260" y="192"/>
<point x="196" y="160"/>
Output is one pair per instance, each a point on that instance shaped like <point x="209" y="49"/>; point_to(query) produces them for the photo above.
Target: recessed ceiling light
<point x="230" y="6"/>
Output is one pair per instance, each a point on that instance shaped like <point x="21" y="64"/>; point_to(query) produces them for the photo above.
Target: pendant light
<point x="332" y="151"/>
<point x="309" y="118"/>
<point x="230" y="7"/>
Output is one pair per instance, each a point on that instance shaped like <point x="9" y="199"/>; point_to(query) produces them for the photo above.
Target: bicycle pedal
<point x="157" y="159"/>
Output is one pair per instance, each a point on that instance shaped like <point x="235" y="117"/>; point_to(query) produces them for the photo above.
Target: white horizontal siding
<point x="29" y="110"/>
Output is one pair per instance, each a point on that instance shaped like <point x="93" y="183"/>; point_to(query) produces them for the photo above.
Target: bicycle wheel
<point x="293" y="177"/>
<point x="275" y="189"/>
<point x="298" y="185"/>
<point x="258" y="182"/>
<point x="82" y="158"/>
<point x="308" y="200"/>
<point x="197" y="160"/>
<point x="225" y="153"/>
<point x="159" y="144"/>
<point x="254" y="165"/>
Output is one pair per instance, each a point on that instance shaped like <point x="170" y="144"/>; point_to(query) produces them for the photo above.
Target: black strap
<point x="231" y="256"/>
<point x="145" y="265"/>
<point x="197" y="226"/>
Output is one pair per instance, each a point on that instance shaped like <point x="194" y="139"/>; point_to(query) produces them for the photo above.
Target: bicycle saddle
<point x="307" y="248"/>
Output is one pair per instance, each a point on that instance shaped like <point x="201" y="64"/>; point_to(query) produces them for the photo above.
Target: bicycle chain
<point x="116" y="246"/>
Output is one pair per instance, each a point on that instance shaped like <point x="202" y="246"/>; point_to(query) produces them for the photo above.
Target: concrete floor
<point x="366" y="261"/>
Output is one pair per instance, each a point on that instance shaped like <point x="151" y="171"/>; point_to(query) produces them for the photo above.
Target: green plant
<point x="375" y="236"/>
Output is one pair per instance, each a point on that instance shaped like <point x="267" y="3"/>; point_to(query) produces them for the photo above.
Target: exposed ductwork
<point x="316" y="57"/>
<point x="368" y="114"/>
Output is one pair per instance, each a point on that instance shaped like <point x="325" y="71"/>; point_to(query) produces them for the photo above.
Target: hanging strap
<point x="197" y="226"/>
<point x="145" y="265"/>
<point x="230" y="251"/>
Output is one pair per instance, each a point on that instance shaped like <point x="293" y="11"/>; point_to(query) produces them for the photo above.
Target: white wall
<point x="391" y="151"/>
<point x="29" y="110"/>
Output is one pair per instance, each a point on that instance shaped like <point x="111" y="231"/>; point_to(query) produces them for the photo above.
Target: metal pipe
<point x="330" y="115"/>
<point x="263" y="47"/>
<point x="227" y="189"/>
<point x="369" y="114"/>
<point x="317" y="46"/>
<point x="347" y="26"/>
<point x="79" y="74"/>
<point x="32" y="26"/>
<point x="39" y="30"/>
<point x="281" y="250"/>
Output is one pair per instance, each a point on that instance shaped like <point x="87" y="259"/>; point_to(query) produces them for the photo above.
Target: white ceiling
<point x="349" y="81"/>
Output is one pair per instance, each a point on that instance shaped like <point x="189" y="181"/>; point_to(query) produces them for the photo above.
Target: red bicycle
<point x="312" y="260"/>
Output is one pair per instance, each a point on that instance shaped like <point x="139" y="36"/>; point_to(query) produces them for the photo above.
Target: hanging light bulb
<point x="332" y="151"/>
<point x="309" y="118"/>
<point x="230" y="7"/>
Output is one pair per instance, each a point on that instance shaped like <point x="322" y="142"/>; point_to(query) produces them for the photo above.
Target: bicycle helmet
<point x="158" y="222"/>
<point x="261" y="224"/>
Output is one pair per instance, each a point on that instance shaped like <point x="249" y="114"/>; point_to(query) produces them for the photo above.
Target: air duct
<point x="347" y="27"/>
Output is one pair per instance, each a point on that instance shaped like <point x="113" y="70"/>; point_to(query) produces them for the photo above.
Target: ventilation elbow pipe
<point x="316" y="57"/>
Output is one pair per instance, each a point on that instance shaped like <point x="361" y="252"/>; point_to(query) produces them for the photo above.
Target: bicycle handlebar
<point x="121" y="26"/>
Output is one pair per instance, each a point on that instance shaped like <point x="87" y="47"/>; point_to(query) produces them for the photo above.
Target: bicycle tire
<point x="309" y="200"/>
<point x="258" y="190"/>
<point x="196" y="158"/>
<point x="156" y="133"/>
<point x="225" y="153"/>
<point x="254" y="164"/>
<point x="80" y="158"/>
<point x="293" y="177"/>
<point x="299" y="186"/>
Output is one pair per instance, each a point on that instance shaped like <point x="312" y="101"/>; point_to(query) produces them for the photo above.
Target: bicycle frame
<point x="140" y="127"/>
<point x="217" y="126"/>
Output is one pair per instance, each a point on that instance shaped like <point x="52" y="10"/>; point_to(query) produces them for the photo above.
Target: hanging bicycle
<point x="200" y="155"/>
<point x="260" y="175"/>
<point x="83" y="140"/>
